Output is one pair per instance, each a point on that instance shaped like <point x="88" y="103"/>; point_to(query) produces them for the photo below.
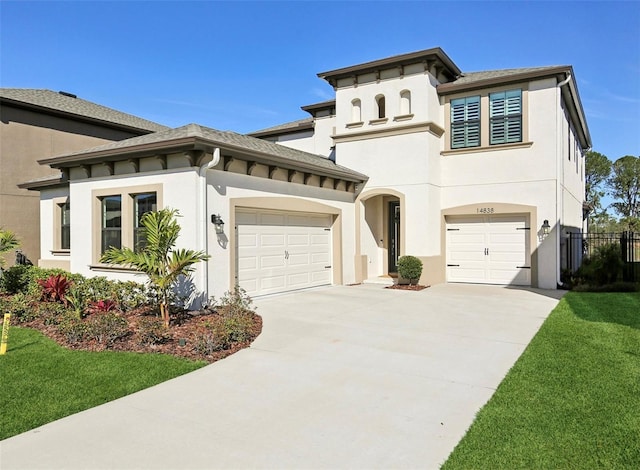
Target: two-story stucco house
<point x="42" y="123"/>
<point x="478" y="174"/>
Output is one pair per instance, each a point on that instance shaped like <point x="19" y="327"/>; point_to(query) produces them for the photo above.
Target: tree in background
<point x="597" y="170"/>
<point x="158" y="258"/>
<point x="8" y="242"/>
<point x="624" y="186"/>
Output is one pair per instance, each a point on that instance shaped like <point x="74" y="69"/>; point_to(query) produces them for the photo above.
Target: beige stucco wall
<point x="27" y="136"/>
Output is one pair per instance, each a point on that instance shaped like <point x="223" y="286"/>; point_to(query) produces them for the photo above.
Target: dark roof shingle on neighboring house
<point x="286" y="128"/>
<point x="69" y="105"/>
<point x="185" y="137"/>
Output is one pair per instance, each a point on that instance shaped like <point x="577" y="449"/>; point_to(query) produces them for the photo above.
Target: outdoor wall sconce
<point x="216" y="220"/>
<point x="546" y="228"/>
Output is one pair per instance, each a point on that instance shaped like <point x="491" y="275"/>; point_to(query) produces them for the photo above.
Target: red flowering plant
<point x="54" y="288"/>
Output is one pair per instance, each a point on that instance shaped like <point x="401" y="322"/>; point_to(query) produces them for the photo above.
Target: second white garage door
<point x="488" y="250"/>
<point x="282" y="251"/>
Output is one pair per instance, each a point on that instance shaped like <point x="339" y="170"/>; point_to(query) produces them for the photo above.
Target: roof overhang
<point x="197" y="144"/>
<point x="298" y="127"/>
<point x="435" y="55"/>
<point x="44" y="183"/>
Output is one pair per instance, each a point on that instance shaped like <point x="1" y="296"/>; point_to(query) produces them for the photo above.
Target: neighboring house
<point x="43" y="123"/>
<point x="463" y="170"/>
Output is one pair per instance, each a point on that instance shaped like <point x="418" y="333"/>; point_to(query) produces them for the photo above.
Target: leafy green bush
<point x="24" y="279"/>
<point x="410" y="268"/>
<point x="105" y="328"/>
<point x="152" y="330"/>
<point x="603" y="267"/>
<point x="72" y="328"/>
<point x="22" y="307"/>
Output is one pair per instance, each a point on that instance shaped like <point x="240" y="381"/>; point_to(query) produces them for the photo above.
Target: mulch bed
<point x="407" y="287"/>
<point x="185" y="326"/>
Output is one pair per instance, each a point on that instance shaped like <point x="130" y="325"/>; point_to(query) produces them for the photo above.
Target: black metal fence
<point x="583" y="245"/>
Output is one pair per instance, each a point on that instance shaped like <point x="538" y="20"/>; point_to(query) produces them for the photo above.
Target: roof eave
<point x="185" y="144"/>
<point x="403" y="59"/>
<point x="44" y="184"/>
<point x="452" y="87"/>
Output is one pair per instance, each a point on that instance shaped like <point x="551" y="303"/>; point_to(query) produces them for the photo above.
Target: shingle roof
<point x="488" y="77"/>
<point x="186" y="135"/>
<point x="468" y="77"/>
<point x="300" y="124"/>
<point x="69" y="105"/>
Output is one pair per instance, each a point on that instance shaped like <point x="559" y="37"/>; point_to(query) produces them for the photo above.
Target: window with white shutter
<point x="505" y="112"/>
<point x="465" y="122"/>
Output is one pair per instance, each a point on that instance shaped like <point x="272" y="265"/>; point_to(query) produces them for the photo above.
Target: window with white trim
<point x="465" y="122"/>
<point x="505" y="114"/>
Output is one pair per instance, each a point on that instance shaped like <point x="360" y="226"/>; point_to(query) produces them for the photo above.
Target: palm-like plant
<point x="158" y="258"/>
<point x="8" y="242"/>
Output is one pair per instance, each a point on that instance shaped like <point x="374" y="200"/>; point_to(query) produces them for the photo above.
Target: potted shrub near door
<point x="409" y="269"/>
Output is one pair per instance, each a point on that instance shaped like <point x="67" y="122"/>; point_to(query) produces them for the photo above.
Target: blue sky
<point x="244" y="66"/>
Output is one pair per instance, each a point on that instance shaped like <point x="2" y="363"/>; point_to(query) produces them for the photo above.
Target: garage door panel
<point x="271" y="261"/>
<point x="300" y="259"/>
<point x="272" y="240"/>
<point x="247" y="240"/>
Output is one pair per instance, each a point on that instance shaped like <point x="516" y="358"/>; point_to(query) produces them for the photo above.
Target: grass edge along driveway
<point x="42" y="382"/>
<point x="572" y="400"/>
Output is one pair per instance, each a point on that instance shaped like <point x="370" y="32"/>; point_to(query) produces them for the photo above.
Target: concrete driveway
<point x="341" y="377"/>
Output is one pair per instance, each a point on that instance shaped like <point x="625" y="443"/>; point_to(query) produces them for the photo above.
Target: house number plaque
<point x="485" y="210"/>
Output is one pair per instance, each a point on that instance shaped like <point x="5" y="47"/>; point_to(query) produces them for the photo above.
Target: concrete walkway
<point x="341" y="377"/>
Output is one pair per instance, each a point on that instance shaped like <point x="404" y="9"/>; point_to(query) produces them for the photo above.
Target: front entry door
<point x="394" y="236"/>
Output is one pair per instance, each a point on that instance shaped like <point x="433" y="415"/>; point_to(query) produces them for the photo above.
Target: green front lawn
<point x="42" y="382"/>
<point x="572" y="400"/>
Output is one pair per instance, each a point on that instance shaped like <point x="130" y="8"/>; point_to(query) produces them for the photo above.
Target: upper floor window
<point x="111" y="222"/>
<point x="356" y="111"/>
<point x="505" y="113"/>
<point x="142" y="203"/>
<point x="405" y="102"/>
<point x="381" y="105"/>
<point x="465" y="122"/>
<point x="65" y="226"/>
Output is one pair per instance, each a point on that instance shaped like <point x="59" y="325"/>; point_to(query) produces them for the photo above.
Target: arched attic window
<point x="356" y="111"/>
<point x="405" y="102"/>
<point x="381" y="106"/>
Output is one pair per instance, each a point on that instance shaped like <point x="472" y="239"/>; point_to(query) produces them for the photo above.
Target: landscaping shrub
<point x="603" y="267"/>
<point x="72" y="328"/>
<point x="21" y="307"/>
<point x="15" y="279"/>
<point x="54" y="288"/>
<point x="410" y="268"/>
<point x="232" y="323"/>
<point x="105" y="328"/>
<point x="151" y="330"/>
<point x="102" y="306"/>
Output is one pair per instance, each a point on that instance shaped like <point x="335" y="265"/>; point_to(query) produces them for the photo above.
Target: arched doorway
<point x="379" y="233"/>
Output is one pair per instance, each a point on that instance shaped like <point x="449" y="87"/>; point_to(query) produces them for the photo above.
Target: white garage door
<point x="280" y="251"/>
<point x="488" y="250"/>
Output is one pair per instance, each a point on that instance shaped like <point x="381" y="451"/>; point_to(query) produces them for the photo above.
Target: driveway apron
<point x="341" y="377"/>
